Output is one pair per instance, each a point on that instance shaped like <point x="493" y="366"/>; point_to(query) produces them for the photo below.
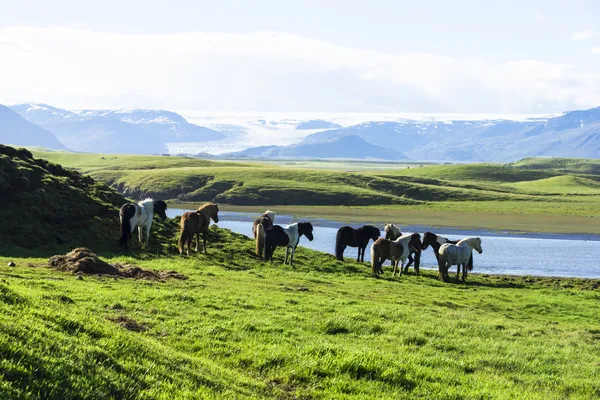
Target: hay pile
<point x="84" y="261"/>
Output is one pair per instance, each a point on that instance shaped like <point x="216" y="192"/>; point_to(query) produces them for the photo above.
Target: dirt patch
<point x="128" y="323"/>
<point x="84" y="261"/>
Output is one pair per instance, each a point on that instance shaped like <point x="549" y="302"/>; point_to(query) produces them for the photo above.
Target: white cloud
<point x="595" y="50"/>
<point x="539" y="16"/>
<point x="265" y="71"/>
<point x="584" y="35"/>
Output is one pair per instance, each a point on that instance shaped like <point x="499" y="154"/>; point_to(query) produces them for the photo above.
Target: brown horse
<point x="394" y="250"/>
<point x="196" y="222"/>
<point x="259" y="226"/>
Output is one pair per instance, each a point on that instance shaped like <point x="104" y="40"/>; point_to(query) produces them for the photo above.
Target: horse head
<point x="160" y="208"/>
<point x="271" y="215"/>
<point x="428" y="238"/>
<point x="415" y="242"/>
<point x="215" y="214"/>
<point x="306" y="229"/>
<point x="477" y="245"/>
<point x="375" y="233"/>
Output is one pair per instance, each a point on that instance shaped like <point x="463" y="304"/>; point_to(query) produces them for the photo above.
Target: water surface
<point x="541" y="254"/>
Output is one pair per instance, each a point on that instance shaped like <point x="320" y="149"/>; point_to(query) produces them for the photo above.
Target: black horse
<point x="348" y="236"/>
<point x="288" y="237"/>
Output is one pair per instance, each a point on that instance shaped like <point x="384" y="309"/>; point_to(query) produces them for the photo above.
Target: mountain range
<point x="15" y="130"/>
<point x="139" y="131"/>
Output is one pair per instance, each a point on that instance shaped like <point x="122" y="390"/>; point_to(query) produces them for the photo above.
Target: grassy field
<point x="533" y="195"/>
<point x="323" y="329"/>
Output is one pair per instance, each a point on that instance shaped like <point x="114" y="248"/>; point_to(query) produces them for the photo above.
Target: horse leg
<point x="395" y="264"/>
<point x="292" y="255"/>
<point x="457" y="271"/>
<point x="204" y="241"/>
<point x="410" y="261"/>
<point x="358" y="256"/>
<point x="418" y="263"/>
<point x="287" y="249"/>
<point x="141" y="235"/>
<point x="197" y="241"/>
<point x="464" y="274"/>
<point x="148" y="237"/>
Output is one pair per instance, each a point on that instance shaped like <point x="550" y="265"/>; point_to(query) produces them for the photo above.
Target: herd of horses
<point x="396" y="246"/>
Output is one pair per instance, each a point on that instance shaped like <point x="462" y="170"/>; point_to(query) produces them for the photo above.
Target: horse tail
<point x="125" y="216"/>
<point x="470" y="263"/>
<point x="374" y="259"/>
<point x="338" y="246"/>
<point x="183" y="235"/>
<point x="260" y="240"/>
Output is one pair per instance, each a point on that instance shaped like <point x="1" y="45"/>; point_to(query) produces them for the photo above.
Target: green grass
<point x="238" y="328"/>
<point x="490" y="196"/>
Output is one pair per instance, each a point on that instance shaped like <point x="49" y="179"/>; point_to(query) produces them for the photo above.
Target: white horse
<point x="140" y="215"/>
<point x="288" y="237"/>
<point x="457" y="254"/>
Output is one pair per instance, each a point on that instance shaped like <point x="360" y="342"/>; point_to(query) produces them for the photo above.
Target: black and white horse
<point x="140" y="215"/>
<point x="288" y="237"/>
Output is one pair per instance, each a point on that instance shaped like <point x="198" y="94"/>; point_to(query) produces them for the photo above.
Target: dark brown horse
<point x="348" y="236"/>
<point x="259" y="226"/>
<point x="196" y="222"/>
<point x="288" y="237"/>
<point x="435" y="241"/>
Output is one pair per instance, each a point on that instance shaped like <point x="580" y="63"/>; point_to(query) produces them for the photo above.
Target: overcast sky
<point x="426" y="56"/>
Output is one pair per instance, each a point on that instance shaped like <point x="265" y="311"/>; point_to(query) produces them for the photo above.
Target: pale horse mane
<point x="148" y="204"/>
<point x="271" y="215"/>
<point x="391" y="228"/>
<point x="473" y="241"/>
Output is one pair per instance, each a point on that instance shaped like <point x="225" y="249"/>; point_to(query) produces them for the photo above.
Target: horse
<point x="392" y="232"/>
<point x="435" y="241"/>
<point x="457" y="254"/>
<point x="140" y="215"/>
<point x="395" y="250"/>
<point x="196" y="222"/>
<point x="288" y="237"/>
<point x="259" y="226"/>
<point x="348" y="236"/>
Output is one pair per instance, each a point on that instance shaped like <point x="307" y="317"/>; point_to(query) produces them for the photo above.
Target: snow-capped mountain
<point x="393" y="136"/>
<point x="15" y="130"/>
<point x="115" y="131"/>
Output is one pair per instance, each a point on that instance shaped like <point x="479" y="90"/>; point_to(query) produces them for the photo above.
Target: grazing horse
<point x="435" y="241"/>
<point x="288" y="237"/>
<point x="395" y="250"/>
<point x="259" y="226"/>
<point x="457" y="254"/>
<point x="196" y="222"/>
<point x="348" y="236"/>
<point x="392" y="232"/>
<point x="140" y="215"/>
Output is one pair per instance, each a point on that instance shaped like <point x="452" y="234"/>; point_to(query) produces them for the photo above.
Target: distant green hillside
<point x="572" y="165"/>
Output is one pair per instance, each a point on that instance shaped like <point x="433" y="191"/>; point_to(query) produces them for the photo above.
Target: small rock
<point x="11" y="264"/>
<point x="79" y="278"/>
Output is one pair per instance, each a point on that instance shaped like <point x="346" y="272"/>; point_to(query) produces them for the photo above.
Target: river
<point x="539" y="254"/>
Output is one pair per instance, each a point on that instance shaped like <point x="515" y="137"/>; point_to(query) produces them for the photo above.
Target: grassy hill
<point x="238" y="328"/>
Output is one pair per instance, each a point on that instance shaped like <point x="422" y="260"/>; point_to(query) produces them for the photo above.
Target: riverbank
<point x="427" y="216"/>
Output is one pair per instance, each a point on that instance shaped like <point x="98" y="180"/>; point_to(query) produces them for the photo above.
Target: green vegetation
<point x="240" y="328"/>
<point x="532" y="195"/>
<point x="322" y="329"/>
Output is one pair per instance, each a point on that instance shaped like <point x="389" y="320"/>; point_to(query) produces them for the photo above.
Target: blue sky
<point x="328" y="56"/>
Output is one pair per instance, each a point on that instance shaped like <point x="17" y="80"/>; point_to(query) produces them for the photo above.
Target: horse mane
<point x="146" y="201"/>
<point x="203" y="208"/>
<point x="270" y="214"/>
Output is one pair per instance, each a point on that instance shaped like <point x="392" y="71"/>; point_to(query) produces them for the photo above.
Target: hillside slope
<point x="46" y="206"/>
